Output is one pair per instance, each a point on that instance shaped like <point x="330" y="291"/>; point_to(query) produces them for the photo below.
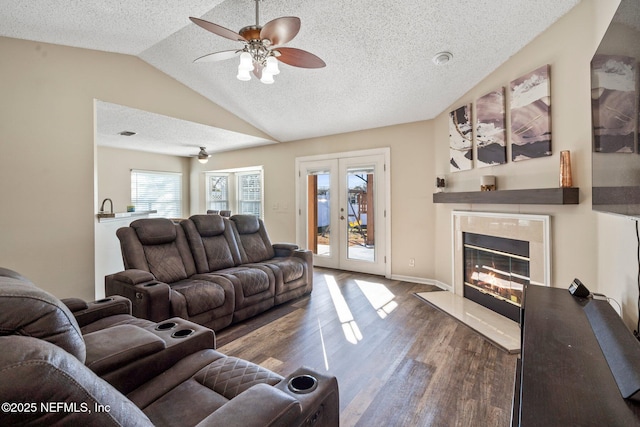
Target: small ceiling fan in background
<point x="262" y="47"/>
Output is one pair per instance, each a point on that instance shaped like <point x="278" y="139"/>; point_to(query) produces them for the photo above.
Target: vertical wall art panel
<point x="490" y="134"/>
<point x="460" y="139"/>
<point x="531" y="115"/>
<point x="613" y="97"/>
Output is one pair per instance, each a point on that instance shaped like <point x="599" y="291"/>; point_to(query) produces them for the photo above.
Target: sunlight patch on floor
<point x="324" y="349"/>
<point x="349" y="326"/>
<point x="379" y="296"/>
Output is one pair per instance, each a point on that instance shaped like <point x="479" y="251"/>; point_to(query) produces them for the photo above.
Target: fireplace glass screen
<point x="496" y="266"/>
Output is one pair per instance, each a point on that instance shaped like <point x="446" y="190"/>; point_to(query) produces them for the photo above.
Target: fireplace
<point x="511" y="250"/>
<point x="496" y="269"/>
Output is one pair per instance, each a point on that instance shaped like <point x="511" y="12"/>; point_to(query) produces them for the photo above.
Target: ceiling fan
<point x="262" y="47"/>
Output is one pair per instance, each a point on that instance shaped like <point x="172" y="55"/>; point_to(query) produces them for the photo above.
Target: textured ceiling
<point x="379" y="70"/>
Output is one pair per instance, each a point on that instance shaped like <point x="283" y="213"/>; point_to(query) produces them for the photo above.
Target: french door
<point x="343" y="211"/>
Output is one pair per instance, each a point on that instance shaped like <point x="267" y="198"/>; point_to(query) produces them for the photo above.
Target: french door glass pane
<point x="359" y="215"/>
<point x="319" y="213"/>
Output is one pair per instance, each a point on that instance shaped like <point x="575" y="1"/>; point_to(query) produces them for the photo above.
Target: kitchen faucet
<point x="103" y="202"/>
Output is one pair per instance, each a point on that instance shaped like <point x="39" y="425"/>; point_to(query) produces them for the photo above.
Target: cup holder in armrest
<point x="303" y="384"/>
<point x="166" y="326"/>
<point x="148" y="285"/>
<point x="182" y="333"/>
<point x="103" y="300"/>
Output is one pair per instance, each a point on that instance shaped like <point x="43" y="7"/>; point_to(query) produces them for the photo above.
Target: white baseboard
<point x="423" y="281"/>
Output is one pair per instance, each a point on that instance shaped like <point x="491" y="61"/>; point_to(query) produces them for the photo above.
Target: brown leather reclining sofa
<point x="76" y="363"/>
<point x="208" y="269"/>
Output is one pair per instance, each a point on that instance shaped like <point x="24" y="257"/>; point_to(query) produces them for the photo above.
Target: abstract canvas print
<point x="531" y="115"/>
<point x="491" y="147"/>
<point x="613" y="94"/>
<point x="460" y="139"/>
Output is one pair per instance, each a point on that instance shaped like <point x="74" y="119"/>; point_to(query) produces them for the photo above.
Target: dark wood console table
<point x="563" y="378"/>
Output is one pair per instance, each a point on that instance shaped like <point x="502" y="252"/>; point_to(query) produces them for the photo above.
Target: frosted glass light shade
<point x="243" y="75"/>
<point x="267" y="77"/>
<point x="246" y="62"/>
<point x="272" y="65"/>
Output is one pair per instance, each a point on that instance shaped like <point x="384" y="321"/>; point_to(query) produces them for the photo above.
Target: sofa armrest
<point x="321" y="403"/>
<point x="75" y="304"/>
<point x="284" y="249"/>
<point x="259" y="406"/>
<point x="100" y="309"/>
<point x="149" y="297"/>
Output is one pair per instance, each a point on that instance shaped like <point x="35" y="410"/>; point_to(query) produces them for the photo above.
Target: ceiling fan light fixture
<point x="262" y="47"/>
<point x="442" y="58"/>
<point x="203" y="156"/>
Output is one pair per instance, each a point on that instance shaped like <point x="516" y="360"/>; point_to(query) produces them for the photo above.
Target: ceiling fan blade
<point x="299" y="58"/>
<point x="280" y="30"/>
<point x="218" y="56"/>
<point x="217" y="29"/>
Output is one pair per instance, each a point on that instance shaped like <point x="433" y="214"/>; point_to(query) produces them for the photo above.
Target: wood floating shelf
<point x="535" y="196"/>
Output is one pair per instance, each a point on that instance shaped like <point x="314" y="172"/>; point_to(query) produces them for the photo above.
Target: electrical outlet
<point x="412" y="262"/>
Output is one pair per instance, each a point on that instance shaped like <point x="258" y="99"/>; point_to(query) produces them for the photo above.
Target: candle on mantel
<point x="487" y="183"/>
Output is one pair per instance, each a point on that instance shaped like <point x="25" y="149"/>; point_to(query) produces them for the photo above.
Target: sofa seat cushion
<point x="117" y="346"/>
<point x="186" y="405"/>
<point x="253" y="281"/>
<point x="291" y="268"/>
<point x="200" y="295"/>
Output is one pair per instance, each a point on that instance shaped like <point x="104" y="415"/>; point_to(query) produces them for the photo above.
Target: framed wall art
<point x="531" y="115"/>
<point x="490" y="136"/>
<point x="460" y="139"/>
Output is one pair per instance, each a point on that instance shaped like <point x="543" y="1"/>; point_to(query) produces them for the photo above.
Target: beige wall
<point x="47" y="153"/>
<point x="412" y="178"/>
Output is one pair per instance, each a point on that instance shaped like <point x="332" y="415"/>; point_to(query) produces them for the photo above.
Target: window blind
<point x="160" y="191"/>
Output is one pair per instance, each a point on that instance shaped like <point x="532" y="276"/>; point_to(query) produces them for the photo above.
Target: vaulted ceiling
<point x="378" y="53"/>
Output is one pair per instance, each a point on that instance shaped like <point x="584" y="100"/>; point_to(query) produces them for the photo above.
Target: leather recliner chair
<point x="51" y="372"/>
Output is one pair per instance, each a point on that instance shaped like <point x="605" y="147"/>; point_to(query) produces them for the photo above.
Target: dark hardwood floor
<point x="398" y="360"/>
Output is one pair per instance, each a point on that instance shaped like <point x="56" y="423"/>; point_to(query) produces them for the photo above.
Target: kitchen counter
<point x="115" y="216"/>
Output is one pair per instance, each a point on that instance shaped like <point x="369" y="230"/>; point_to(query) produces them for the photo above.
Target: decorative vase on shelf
<point x="566" y="180"/>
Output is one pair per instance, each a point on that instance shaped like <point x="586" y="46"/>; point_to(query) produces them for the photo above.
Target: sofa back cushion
<point x="158" y="246"/>
<point x="212" y="242"/>
<point x="253" y="241"/>
<point x="30" y="311"/>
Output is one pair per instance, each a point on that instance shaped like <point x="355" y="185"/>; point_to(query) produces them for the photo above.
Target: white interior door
<point x="343" y="212"/>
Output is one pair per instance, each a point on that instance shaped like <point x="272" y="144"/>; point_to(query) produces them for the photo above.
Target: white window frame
<point x="152" y="203"/>
<point x="233" y="187"/>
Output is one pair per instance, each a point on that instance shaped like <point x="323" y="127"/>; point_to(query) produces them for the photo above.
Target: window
<point x="237" y="190"/>
<point x="160" y="191"/>
<point x="218" y="193"/>
<point x="250" y="193"/>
